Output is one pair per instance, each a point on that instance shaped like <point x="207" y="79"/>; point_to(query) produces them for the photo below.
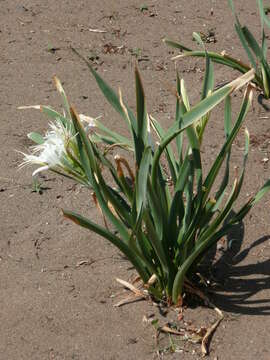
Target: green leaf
<point x="188" y="199"/>
<point x="242" y="37"/>
<point x="201" y="244"/>
<point x="50" y="112"/>
<point x="222" y="59"/>
<point x="252" y="43"/>
<point x="110" y="95"/>
<point x="184" y="95"/>
<point x="247" y="207"/>
<point x="115" y="137"/>
<point x="228" y="128"/>
<point x="141" y="118"/>
<point x="244" y="43"/>
<point x="203" y="247"/>
<point x="266" y="20"/>
<point x="132" y="257"/>
<point x="156" y="209"/>
<point x="36" y="138"/>
<point x="141" y="184"/>
<point x="266" y="82"/>
<point x="61" y="91"/>
<point x="176" y="215"/>
<point x="262" y="15"/>
<point x="155" y="239"/>
<point x="183" y="174"/>
<point x="188" y="119"/>
<point x="227" y="146"/>
<point x="241" y="178"/>
<point x="169" y="152"/>
<point x="208" y="82"/>
<point x="198" y="38"/>
<point x="92" y="170"/>
<point x="221" y="215"/>
<point x="141" y="108"/>
<point x="176" y="45"/>
<point x="260" y="194"/>
<point x="179" y="111"/>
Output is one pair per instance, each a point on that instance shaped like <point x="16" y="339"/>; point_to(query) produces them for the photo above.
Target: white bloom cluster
<point x="51" y="152"/>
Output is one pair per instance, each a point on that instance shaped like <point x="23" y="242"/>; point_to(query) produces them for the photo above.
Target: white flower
<point x="59" y="150"/>
<point x="50" y="154"/>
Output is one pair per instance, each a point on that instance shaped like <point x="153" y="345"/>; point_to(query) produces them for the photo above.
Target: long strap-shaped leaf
<point x="156" y="242"/>
<point x="218" y="58"/>
<point x="196" y="113"/>
<point x="179" y="279"/>
<point x="133" y="257"/>
<point x="228" y="128"/>
<point x="200" y="213"/>
<point x="208" y="87"/>
<point x="142" y="177"/>
<point x="141" y="118"/>
<point x="61" y="91"/>
<point x="156" y="209"/>
<point x="241" y="35"/>
<point x="90" y="165"/>
<point x="194" y="142"/>
<point x="226" y="147"/>
<point x="222" y="59"/>
<point x="179" y="111"/>
<point x="109" y="94"/>
<point x="114" y="135"/>
<point x="169" y="152"/>
<point x="263" y="14"/>
<point x="246" y="208"/>
<point x="53" y="114"/>
<point x="206" y="237"/>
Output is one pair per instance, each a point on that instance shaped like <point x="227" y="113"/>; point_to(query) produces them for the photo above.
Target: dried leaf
<point x="130" y="299"/>
<point x="167" y="329"/>
<point x="37" y="107"/>
<point x="83" y="262"/>
<point x="206" y="338"/>
<point x="97" y="30"/>
<point x="131" y="288"/>
<point x="99" y="209"/>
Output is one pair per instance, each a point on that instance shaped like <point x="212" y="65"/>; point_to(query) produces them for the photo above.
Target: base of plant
<point x="201" y="335"/>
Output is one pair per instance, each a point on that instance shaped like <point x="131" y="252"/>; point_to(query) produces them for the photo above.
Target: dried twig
<point x="97" y="30"/>
<point x="130" y="299"/>
<point x="136" y="296"/>
<point x="205" y="341"/>
<point x="207" y="336"/>
<point x="167" y="329"/>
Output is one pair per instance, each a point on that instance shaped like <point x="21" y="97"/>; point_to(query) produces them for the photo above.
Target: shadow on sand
<point x="241" y="284"/>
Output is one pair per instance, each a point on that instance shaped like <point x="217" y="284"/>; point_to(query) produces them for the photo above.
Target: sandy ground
<point x="57" y="281"/>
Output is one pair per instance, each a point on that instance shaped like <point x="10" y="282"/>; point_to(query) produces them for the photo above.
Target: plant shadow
<point x="238" y="284"/>
<point x="262" y="101"/>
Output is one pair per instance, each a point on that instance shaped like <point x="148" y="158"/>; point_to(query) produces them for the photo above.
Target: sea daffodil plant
<point x="256" y="53"/>
<point x="161" y="211"/>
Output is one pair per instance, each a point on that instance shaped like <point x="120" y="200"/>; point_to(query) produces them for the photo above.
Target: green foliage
<point x="162" y="213"/>
<point x="256" y="53"/>
<point x="143" y="7"/>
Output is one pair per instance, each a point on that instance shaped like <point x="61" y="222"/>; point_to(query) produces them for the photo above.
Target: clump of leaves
<point x="257" y="53"/>
<point x="37" y="187"/>
<point x="136" y="52"/>
<point x="143" y="7"/>
<point x="163" y="223"/>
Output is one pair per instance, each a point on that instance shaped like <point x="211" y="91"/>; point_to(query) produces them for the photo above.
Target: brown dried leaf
<point x="167" y="329"/>
<point x="132" y="288"/>
<point x="97" y="30"/>
<point x="207" y="336"/>
<point x="129" y="299"/>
